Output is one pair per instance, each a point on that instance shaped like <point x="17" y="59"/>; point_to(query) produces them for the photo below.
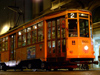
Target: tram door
<point x="12" y="47"/>
<point x="56" y="38"/>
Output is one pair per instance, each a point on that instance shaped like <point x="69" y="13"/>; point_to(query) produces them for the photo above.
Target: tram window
<point x="34" y="27"/>
<point x="29" y="38"/>
<point x="19" y="33"/>
<point x="34" y="36"/>
<point x="63" y="27"/>
<point x="53" y="32"/>
<point x="6" y="43"/>
<point x="91" y="29"/>
<point x="49" y="33"/>
<point x="72" y="24"/>
<point x="24" y="40"/>
<point x="6" y="38"/>
<point x="59" y="47"/>
<point x="49" y="46"/>
<point x="28" y="29"/>
<point x="40" y="24"/>
<point x="19" y="41"/>
<point x="58" y="31"/>
<point x="83" y="15"/>
<point x="84" y="28"/>
<point x="58" y="21"/>
<point x="49" y="30"/>
<point x="28" y="35"/>
<point x="53" y="23"/>
<point x="3" y="44"/>
<point x="24" y="31"/>
<point x="40" y="34"/>
<point x="19" y="38"/>
<point x="53" y="46"/>
<point x="58" y="28"/>
<point x="3" y="39"/>
<point x="63" y="46"/>
<point x="49" y="24"/>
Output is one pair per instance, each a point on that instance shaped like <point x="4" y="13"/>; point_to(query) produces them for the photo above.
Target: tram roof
<point x="41" y="16"/>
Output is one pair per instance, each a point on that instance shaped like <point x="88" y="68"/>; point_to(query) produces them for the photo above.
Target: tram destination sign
<point x="72" y="15"/>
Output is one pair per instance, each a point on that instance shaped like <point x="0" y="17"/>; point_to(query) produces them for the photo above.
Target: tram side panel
<point x="5" y="56"/>
<point x="30" y="52"/>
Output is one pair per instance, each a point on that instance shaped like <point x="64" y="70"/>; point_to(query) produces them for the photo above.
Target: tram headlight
<point x="86" y="47"/>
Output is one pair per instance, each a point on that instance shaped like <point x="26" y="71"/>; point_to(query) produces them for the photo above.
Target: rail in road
<point x="59" y="72"/>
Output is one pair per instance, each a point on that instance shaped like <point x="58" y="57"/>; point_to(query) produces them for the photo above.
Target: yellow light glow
<point x="4" y="29"/>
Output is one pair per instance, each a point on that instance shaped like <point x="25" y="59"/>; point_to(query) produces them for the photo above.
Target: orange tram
<point x="55" y="40"/>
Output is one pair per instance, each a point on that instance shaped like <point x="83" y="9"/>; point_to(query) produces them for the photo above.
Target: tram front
<point x="79" y="43"/>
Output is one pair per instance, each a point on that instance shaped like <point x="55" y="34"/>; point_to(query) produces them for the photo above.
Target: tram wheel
<point x="29" y="66"/>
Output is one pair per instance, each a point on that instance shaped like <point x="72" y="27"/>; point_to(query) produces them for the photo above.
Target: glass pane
<point x="40" y="34"/>
<point x="91" y="29"/>
<point x="49" y="33"/>
<point x="72" y="24"/>
<point x="28" y="29"/>
<point x="3" y="39"/>
<point x="34" y="27"/>
<point x="6" y="38"/>
<point x="19" y="41"/>
<point x="63" y="45"/>
<point x="49" y="46"/>
<point x="34" y="36"/>
<point x="63" y="27"/>
<point x="83" y="15"/>
<point x="40" y="24"/>
<point x="58" y="22"/>
<point x="84" y="28"/>
<point x="24" y="40"/>
<point x="24" y="31"/>
<point x="19" y="33"/>
<point x="53" y="46"/>
<point x="49" y="24"/>
<point x="59" y="47"/>
<point x="6" y="45"/>
<point x="28" y="38"/>
<point x="53" y="32"/>
<point x="58" y="31"/>
<point x="53" y="23"/>
<point x="3" y="49"/>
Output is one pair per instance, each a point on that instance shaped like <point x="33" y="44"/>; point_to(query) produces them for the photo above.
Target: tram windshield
<point x="72" y="24"/>
<point x="84" y="28"/>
